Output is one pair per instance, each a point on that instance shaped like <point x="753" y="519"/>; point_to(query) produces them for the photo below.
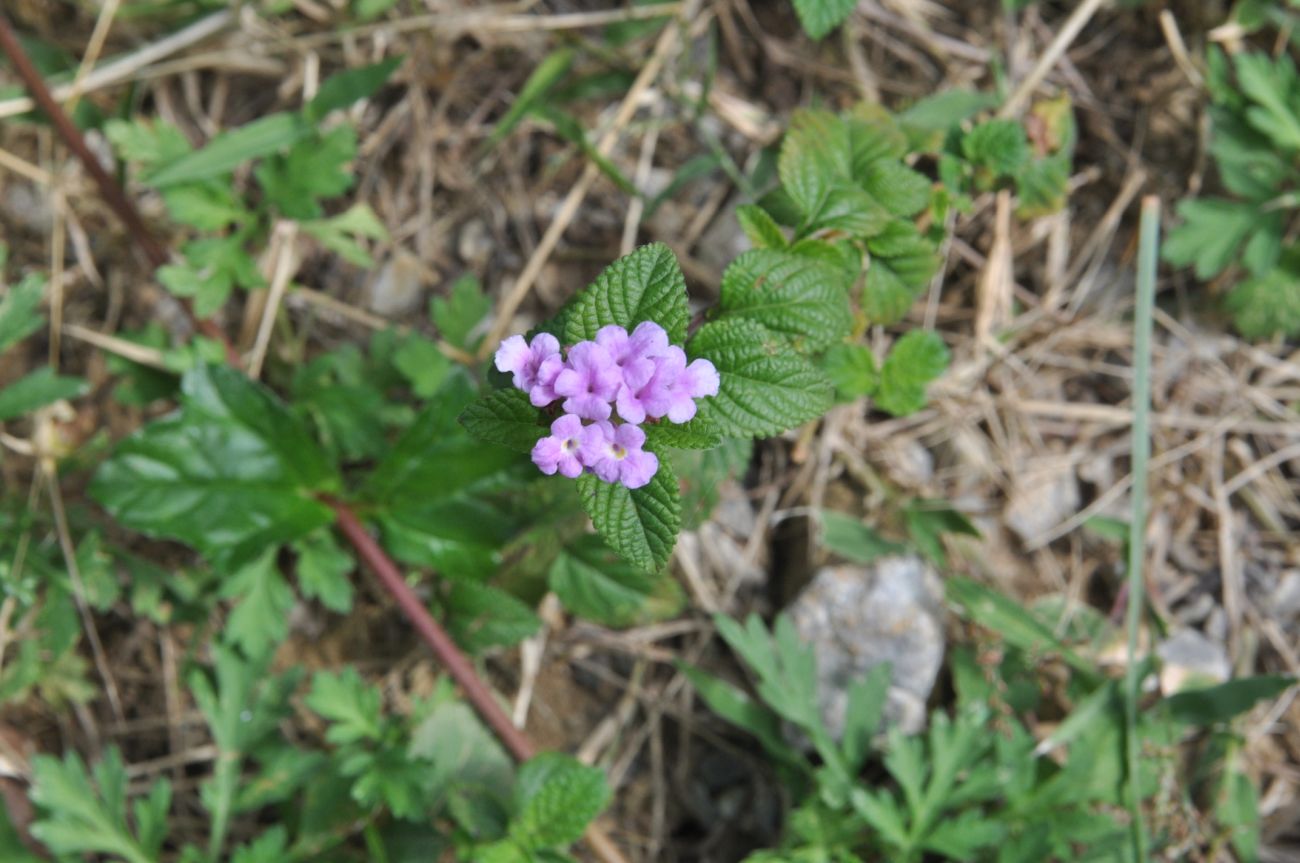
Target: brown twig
<point x="108" y="187"/>
<point x="456" y="663"/>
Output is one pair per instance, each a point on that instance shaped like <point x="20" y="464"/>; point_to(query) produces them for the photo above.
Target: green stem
<point x="1148" y="246"/>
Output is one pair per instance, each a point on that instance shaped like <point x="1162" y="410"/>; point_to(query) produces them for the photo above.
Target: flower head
<point x="570" y="447"/>
<point x="589" y="382"/>
<point x="524" y="360"/>
<point x="634" y="354"/>
<point x="617" y="455"/>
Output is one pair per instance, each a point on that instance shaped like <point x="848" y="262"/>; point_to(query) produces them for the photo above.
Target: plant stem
<point x="457" y="664"/>
<point x="108" y="188"/>
<point x="1148" y="246"/>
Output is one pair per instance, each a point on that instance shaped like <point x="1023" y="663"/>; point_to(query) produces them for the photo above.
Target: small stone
<point x="474" y="245"/>
<point x="397" y="289"/>
<point x="1041" y="500"/>
<point x="1284" y="603"/>
<point x="855" y="618"/>
<point x="1189" y="659"/>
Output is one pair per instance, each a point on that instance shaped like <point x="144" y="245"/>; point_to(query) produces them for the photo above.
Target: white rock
<point x="858" y="617"/>
<point x="1188" y="658"/>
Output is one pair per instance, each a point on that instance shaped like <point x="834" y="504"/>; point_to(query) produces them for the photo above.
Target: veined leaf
<point x="646" y="285"/>
<point x="796" y="297"/>
<point x="640" y="524"/>
<point x="1212" y="231"/>
<point x="761" y="229"/>
<point x="698" y="433"/>
<point x="594" y="583"/>
<point x="505" y="417"/>
<point x="1222" y="702"/>
<point x="230" y="474"/>
<point x="557" y="798"/>
<point x="229" y="150"/>
<point x="765" y="387"/>
<point x="915" y="360"/>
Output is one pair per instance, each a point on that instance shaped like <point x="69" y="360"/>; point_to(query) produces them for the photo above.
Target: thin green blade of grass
<point x="1148" y="255"/>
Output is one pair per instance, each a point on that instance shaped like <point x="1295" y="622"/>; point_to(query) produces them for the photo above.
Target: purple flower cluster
<point x="637" y="375"/>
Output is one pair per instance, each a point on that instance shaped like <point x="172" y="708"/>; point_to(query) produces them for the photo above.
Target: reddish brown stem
<point x="108" y="187"/>
<point x="456" y="663"/>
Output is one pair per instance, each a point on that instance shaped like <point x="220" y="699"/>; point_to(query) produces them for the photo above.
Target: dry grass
<point x="1027" y="433"/>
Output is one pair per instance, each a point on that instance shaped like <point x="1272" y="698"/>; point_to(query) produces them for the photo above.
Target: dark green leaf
<point x="640" y="524"/>
<point x="1225" y="701"/>
<point x="314" y="168"/>
<point x="260" y="619"/>
<point x="1000" y="146"/>
<point x="1266" y="306"/>
<point x="323" y="569"/>
<point x="761" y="229"/>
<point x="344" y="88"/>
<point x="231" y="474"/>
<point x="506" y="417"/>
<point x="646" y="285"/>
<point x="547" y="74"/>
<point x="801" y="299"/>
<point x="899" y="189"/>
<point x="698" y="433"/>
<point x="594" y="583"/>
<point x="765" y="387"/>
<point x="482" y="617"/>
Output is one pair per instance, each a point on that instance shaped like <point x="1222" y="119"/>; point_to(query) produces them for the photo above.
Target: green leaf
<point x="927" y="520"/>
<point x="820" y="17"/>
<point x="558" y="797"/>
<point x="460" y="314"/>
<point x="640" y="524"/>
<point x="1225" y="701"/>
<point x="342" y="234"/>
<point x="866" y="707"/>
<point x="231" y="474"/>
<point x="314" y="168"/>
<point x="902" y="262"/>
<point x="915" y="360"/>
<point x="765" y="387"/>
<point x="351" y="85"/>
<point x="698" y="433"/>
<point x="801" y="299"/>
<point x="646" y="285"/>
<point x="595" y="584"/>
<point x="1266" y="306"/>
<point x="38" y="389"/>
<point x="505" y="417"/>
<point x="852" y="370"/>
<point x="229" y="150"/>
<point x="323" y="570"/>
<point x="482" y="617"/>
<point x="213" y="266"/>
<point x="1212" y="232"/>
<point x="1043" y="186"/>
<point x="353" y="707"/>
<point x="733" y="705"/>
<point x="946" y="109"/>
<point x="761" y="229"/>
<point x="1014" y="623"/>
<point x="147" y="142"/>
<point x="208" y="206"/>
<point x="1274" y="87"/>
<point x="1000" y="146"/>
<point x="899" y="189"/>
<point x="548" y="73"/>
<point x="850" y="538"/>
<point x="270" y="847"/>
<point x="421" y="363"/>
<point x="815" y="158"/>
<point x="20" y="311"/>
<point x="260" y="620"/>
<point x="81" y="816"/>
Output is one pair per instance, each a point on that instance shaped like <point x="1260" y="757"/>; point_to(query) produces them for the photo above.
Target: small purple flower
<point x="634" y="354"/>
<point x="543" y="390"/>
<point x="617" y="455"/>
<point x="589" y="382"/>
<point x="570" y="447"/>
<point x="671" y="391"/>
<point x="524" y="361"/>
